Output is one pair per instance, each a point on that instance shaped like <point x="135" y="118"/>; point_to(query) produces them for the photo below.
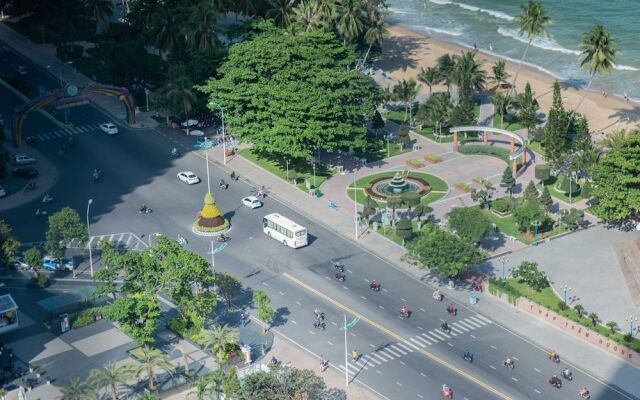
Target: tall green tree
<point x="470" y="223"/>
<point x="430" y="77"/>
<point x="598" y="54"/>
<point x="9" y="245"/>
<point x="112" y="377"/>
<point x="33" y="257"/>
<point x="351" y="19"/>
<point x="232" y="388"/>
<point x="436" y="111"/>
<point x="177" y="94"/>
<point x="528" y="111"/>
<point x="501" y="102"/>
<point x="545" y="199"/>
<point x="307" y="15"/>
<point x="508" y="181"/>
<point x="200" y="26"/>
<point x="446" y="64"/>
<point x="289" y="95"/>
<point x="167" y="30"/>
<point x="374" y="33"/>
<point x="468" y="74"/>
<point x="462" y="113"/>
<point x="138" y="314"/>
<point x="64" y="226"/>
<point x="77" y="390"/>
<point x="220" y="339"/>
<point x="531" y="192"/>
<point x="100" y="11"/>
<point x="150" y="360"/>
<point x="281" y="12"/>
<point x="406" y="91"/>
<point x="404" y="229"/>
<point x="616" y="179"/>
<point x="555" y="135"/>
<point x="527" y="212"/>
<point x="442" y="252"/>
<point x="263" y="303"/>
<point x="500" y="76"/>
<point x="228" y="287"/>
<point x="532" y="23"/>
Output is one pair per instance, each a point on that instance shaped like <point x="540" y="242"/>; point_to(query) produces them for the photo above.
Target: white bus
<point x="284" y="230"/>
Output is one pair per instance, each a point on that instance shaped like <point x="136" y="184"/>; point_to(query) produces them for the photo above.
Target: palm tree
<point x="351" y="17"/>
<point x="166" y="29"/>
<point x="375" y="32"/>
<point x="468" y="74"/>
<point x="500" y="75"/>
<point x="501" y="102"/>
<point x="430" y="77"/>
<point x="142" y="15"/>
<point x="77" y="390"/>
<point x="613" y="139"/>
<point x="307" y="14"/>
<point x="326" y="13"/>
<point x="99" y="10"/>
<point x="598" y="54"/>
<point x="201" y="389"/>
<point x="218" y="339"/>
<point x="445" y="65"/>
<point x="151" y="359"/>
<point x="280" y="12"/>
<point x="435" y="111"/>
<point x="111" y="377"/>
<point x="406" y="91"/>
<point x="218" y="379"/>
<point x="177" y="94"/>
<point x="532" y="22"/>
<point x="201" y="25"/>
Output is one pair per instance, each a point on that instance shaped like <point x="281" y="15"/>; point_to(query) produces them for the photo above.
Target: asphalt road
<point x="402" y="359"/>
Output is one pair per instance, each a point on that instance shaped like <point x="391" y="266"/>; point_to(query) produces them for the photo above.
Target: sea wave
<point x="436" y="30"/>
<point x="396" y="11"/>
<point x="494" y="13"/>
<point x="545" y="43"/>
<point x="625" y="68"/>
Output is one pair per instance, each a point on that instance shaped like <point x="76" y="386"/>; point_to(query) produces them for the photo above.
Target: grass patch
<point x="397" y="116"/>
<point x="390" y="232"/>
<point x="551" y="185"/>
<point x="537" y="147"/>
<point x="548" y="298"/>
<point x="378" y="149"/>
<point x="304" y="171"/>
<point x="512" y="125"/>
<point x="508" y="227"/>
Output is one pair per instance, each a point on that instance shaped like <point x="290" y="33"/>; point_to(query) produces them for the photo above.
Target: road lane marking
<point x="450" y="345"/>
<point x="293" y="322"/>
<point x="536" y="369"/>
<point x="366" y="280"/>
<point x="382" y="356"/>
<point x="398" y="383"/>
<point x="515" y="358"/>
<point x="381" y="307"/>
<point x="421" y="328"/>
<point x="327" y="278"/>
<point x="537" y="391"/>
<point x="378" y="371"/>
<point x="334" y="323"/>
<point x="408" y="343"/>
<point x="330" y="344"/>
<point x="423" y="375"/>
<point x="352" y="334"/>
<point x="384" y="290"/>
<point x="390" y="350"/>
<point x="312" y="332"/>
<point x="417" y="342"/>
<point x="483" y="318"/>
<point x="281" y="294"/>
<point x="345" y="288"/>
<point x="409" y="349"/>
<point x="405" y="300"/>
<point x="363" y="298"/>
<point x="515" y="379"/>
<point x="492" y="367"/>
<point x="399" y="338"/>
<point x="493" y="347"/>
<point x="298" y="303"/>
<point x="420" y="396"/>
<point x="472" y="336"/>
<point x="402" y="362"/>
<point x="422" y="309"/>
<point x="372" y="345"/>
<point x="265" y="284"/>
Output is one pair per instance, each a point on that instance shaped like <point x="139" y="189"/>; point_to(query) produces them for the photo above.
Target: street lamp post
<point x="224" y="141"/>
<point x="571" y="176"/>
<point x="355" y="203"/>
<point x="388" y="136"/>
<point x="287" y="161"/>
<point x="631" y="320"/>
<point x="314" y="174"/>
<point x="535" y="224"/>
<point x="146" y="92"/>
<point x="89" y="234"/>
<point x="565" y="289"/>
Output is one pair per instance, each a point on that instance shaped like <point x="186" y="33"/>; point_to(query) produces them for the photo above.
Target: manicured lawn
<point x="545" y="297"/>
<point x="378" y="149"/>
<point x="508" y="227"/>
<point x="514" y="125"/>
<point x="427" y="132"/>
<point x="537" y="147"/>
<point x="304" y="171"/>
<point x="397" y="116"/>
<point x="439" y="187"/>
<point x="550" y="183"/>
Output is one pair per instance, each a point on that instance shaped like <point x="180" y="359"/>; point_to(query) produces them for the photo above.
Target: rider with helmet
<point x="405" y="311"/>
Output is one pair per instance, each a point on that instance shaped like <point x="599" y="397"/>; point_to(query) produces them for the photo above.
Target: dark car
<point x="25" y="172"/>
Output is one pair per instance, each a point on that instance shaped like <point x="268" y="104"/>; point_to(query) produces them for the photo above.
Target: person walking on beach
<point x="626" y="97"/>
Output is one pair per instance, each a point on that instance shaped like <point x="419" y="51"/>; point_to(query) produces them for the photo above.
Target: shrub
<point x="562" y="306"/>
<point x="586" y="190"/>
<point x="178" y="326"/>
<point x="527" y="272"/>
<point x="410" y="199"/>
<point x="86" y="317"/>
<point x="414" y="163"/>
<point x="503" y="205"/>
<point x="563" y="185"/>
<point x="478" y="149"/>
<point x="41" y="280"/>
<point x="432" y="158"/>
<point x="542" y="172"/>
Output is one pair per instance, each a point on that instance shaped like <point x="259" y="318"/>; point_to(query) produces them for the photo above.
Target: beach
<point x="405" y="51"/>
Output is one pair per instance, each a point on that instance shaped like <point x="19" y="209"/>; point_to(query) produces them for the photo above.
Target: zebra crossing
<point x="70" y="131"/>
<point x="125" y="240"/>
<point x="413" y="343"/>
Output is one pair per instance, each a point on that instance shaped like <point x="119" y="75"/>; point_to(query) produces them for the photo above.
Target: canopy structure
<point x="8" y="314"/>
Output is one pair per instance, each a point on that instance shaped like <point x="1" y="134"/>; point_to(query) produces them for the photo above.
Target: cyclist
<point x="354" y="355"/>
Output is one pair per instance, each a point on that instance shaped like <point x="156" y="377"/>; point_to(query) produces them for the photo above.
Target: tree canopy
<point x="616" y="179"/>
<point x="469" y="222"/>
<point x="290" y="94"/>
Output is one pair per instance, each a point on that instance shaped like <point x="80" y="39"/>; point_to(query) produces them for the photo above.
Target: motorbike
<point x="32" y="141"/>
<point x="319" y="324"/>
<point x="452" y="310"/>
<point x="584" y="394"/>
<point x="437" y="296"/>
<point x="405" y="314"/>
<point x="553" y="356"/>
<point x="47" y="198"/>
<point x="324" y="364"/>
<point x="30" y="186"/>
<point x="145" y="210"/>
<point x="223" y="238"/>
<point x="182" y="241"/>
<point x="446" y="392"/>
<point x="340" y="276"/>
<point x="175" y="153"/>
<point x="223" y="185"/>
<point x="556" y="382"/>
<point x="468" y="357"/>
<point x="40" y="213"/>
<point x="234" y="177"/>
<point x="509" y="364"/>
<point x="374" y="286"/>
<point x="445" y="328"/>
<point x="338" y="267"/>
<point x="568" y="375"/>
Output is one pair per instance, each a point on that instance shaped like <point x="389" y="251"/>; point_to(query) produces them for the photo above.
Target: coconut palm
<point x="307" y="14"/>
<point x="200" y="27"/>
<point x="445" y="65"/>
<point x="281" y="11"/>
<point x="77" y="390"/>
<point x="177" y="94"/>
<point x="218" y="379"/>
<point x="351" y="17"/>
<point x="430" y="77"/>
<point x="435" y="111"/>
<point x="218" y="340"/>
<point x="501" y="101"/>
<point x="326" y="13"/>
<point x="375" y="32"/>
<point x="151" y="359"/>
<point x="468" y="74"/>
<point x="500" y="76"/>
<point x="532" y="22"/>
<point x="406" y="91"/>
<point x="166" y="29"/>
<point x="598" y="54"/>
<point x="142" y="15"/>
<point x="201" y="389"/>
<point x="111" y="377"/>
<point x="99" y="11"/>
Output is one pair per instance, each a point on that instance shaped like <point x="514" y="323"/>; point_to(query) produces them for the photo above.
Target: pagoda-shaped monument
<point x="209" y="220"/>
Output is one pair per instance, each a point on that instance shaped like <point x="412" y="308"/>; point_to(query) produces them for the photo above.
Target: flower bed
<point x="413" y="163"/>
<point x="465" y="187"/>
<point x="432" y="158"/>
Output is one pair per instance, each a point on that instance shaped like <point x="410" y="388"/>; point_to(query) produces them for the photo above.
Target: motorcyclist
<point x="567" y="373"/>
<point x="508" y="362"/>
<point x="554" y="380"/>
<point x="553" y="356"/>
<point x="174" y="152"/>
<point x="47" y="197"/>
<point x="38" y="211"/>
<point x="444" y="326"/>
<point x="143" y="208"/>
<point x="223" y="184"/>
<point x="405" y="311"/>
<point x="583" y="392"/>
<point x="233" y="176"/>
<point x="437" y="295"/>
<point x="467" y="355"/>
<point x="373" y="284"/>
<point x="451" y="309"/>
<point x="354" y="355"/>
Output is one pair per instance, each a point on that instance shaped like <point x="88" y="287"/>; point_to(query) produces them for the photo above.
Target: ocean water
<point x="490" y="25"/>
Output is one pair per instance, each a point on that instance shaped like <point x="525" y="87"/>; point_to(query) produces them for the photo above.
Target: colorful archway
<point x="68" y="97"/>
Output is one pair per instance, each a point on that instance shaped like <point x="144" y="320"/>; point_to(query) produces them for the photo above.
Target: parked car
<point x="25" y="172"/>
<point x="23" y="159"/>
<point x="50" y="264"/>
<point x="2" y="192"/>
<point x="188" y="177"/>
<point x="252" y="202"/>
<point x="109" y="128"/>
<point x="21" y="263"/>
<point x="67" y="264"/>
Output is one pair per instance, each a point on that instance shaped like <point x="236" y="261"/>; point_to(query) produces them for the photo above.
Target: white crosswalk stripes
<point x="125" y="240"/>
<point x="70" y="131"/>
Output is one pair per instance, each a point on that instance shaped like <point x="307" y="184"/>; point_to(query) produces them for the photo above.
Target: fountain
<point x="396" y="185"/>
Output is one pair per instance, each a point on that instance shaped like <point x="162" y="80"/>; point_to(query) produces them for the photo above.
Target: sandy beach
<point x="405" y="52"/>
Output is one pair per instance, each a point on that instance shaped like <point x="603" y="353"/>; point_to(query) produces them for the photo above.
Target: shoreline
<point x="406" y="50"/>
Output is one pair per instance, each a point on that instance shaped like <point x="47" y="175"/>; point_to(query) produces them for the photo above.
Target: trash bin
<point x="318" y="193"/>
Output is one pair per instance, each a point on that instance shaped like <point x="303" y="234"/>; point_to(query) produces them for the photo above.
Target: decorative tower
<point x="209" y="220"/>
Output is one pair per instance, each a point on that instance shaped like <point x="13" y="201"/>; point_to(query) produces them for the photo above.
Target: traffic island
<point x="209" y="221"/>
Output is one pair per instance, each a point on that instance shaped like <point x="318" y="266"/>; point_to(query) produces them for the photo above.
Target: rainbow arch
<point x="61" y="96"/>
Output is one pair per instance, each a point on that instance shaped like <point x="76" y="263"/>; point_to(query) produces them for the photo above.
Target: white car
<point x="252" y="202"/>
<point x="196" y="132"/>
<point x="21" y="263"/>
<point x="23" y="159"/>
<point x="109" y="128"/>
<point x="190" y="122"/>
<point x="2" y="192"/>
<point x="188" y="177"/>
